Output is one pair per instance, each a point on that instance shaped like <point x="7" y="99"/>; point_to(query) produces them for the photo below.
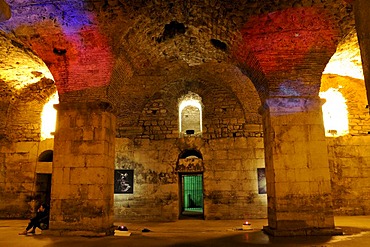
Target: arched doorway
<point x="190" y="170"/>
<point x="43" y="177"/>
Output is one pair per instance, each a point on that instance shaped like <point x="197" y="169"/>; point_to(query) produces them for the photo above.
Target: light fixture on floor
<point x="247" y="226"/>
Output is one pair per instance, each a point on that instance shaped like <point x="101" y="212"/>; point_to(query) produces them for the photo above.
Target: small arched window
<point x="190" y="114"/>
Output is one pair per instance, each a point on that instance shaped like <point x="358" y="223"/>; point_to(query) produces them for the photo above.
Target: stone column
<point x="363" y="33"/>
<point x="297" y="169"/>
<point x="83" y="170"/>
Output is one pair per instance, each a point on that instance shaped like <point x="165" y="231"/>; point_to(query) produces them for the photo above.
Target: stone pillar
<point x="297" y="169"/>
<point x="83" y="170"/>
<point x="363" y="33"/>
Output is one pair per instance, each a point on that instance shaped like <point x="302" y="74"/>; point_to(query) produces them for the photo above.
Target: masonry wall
<point x="18" y="169"/>
<point x="20" y="147"/>
<point x="231" y="145"/>
<point x="349" y="156"/>
<point x="230" y="178"/>
<point x="232" y="150"/>
<point x="349" y="161"/>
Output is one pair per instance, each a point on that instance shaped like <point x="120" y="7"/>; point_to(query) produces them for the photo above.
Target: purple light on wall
<point x="68" y="38"/>
<point x="63" y="14"/>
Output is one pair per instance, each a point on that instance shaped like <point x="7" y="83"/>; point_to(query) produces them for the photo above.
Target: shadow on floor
<point x="258" y="238"/>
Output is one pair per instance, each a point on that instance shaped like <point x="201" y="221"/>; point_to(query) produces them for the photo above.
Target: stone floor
<point x="191" y="233"/>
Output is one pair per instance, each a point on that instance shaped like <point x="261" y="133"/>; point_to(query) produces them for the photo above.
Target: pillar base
<point x="303" y="232"/>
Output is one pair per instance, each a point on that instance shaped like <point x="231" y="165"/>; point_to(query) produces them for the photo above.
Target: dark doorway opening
<point x="191" y="195"/>
<point x="43" y="188"/>
<point x="46" y="156"/>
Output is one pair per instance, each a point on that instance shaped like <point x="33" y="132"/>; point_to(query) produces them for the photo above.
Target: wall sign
<point x="124" y="181"/>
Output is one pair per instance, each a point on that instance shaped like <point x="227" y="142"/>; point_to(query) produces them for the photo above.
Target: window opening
<point x="335" y="113"/>
<point x="49" y="117"/>
<point x="190" y="114"/>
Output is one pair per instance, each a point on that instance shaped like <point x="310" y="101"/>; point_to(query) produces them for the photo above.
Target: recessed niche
<point x="219" y="44"/>
<point x="171" y="30"/>
<point x="190" y="132"/>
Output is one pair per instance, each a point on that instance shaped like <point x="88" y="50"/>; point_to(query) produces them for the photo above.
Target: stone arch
<point x="46" y="156"/>
<point x="190" y="170"/>
<point x="346" y="61"/>
<point x="265" y="61"/>
<point x="159" y="112"/>
<point x="200" y="79"/>
<point x="204" y="33"/>
<point x="344" y="72"/>
<point x="26" y="92"/>
<point x="190" y="152"/>
<point x="202" y="38"/>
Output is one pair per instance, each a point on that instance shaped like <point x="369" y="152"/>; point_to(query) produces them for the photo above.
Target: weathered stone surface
<point x="153" y="177"/>
<point x="298" y="180"/>
<point x="18" y="171"/>
<point x="82" y="195"/>
<point x="139" y="58"/>
<point x="364" y="40"/>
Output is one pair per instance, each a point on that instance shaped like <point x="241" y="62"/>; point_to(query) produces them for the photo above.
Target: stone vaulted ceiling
<point x="125" y="51"/>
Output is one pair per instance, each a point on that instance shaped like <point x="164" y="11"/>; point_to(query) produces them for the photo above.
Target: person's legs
<point x="32" y="224"/>
<point x="33" y="230"/>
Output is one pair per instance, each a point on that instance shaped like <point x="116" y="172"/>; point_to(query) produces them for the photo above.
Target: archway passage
<point x="110" y="52"/>
<point x="43" y="179"/>
<point x="46" y="156"/>
<point x="191" y="195"/>
<point x="43" y="188"/>
<point x="190" y="170"/>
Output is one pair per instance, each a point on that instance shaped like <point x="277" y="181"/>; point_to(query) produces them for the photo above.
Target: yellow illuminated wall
<point x="48" y="117"/>
<point x="335" y="113"/>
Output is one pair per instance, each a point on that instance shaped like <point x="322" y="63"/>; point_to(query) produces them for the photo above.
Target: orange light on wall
<point x="347" y="59"/>
<point x="335" y="113"/>
<point x="49" y="117"/>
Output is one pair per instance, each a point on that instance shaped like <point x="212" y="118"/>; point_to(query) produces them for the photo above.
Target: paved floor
<point x="221" y="233"/>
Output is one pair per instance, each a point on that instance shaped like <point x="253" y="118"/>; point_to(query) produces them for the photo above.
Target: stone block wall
<point x="349" y="161"/>
<point x="229" y="177"/>
<point x="354" y="92"/>
<point x="231" y="145"/>
<point x="82" y="183"/>
<point x="231" y="181"/>
<point x="349" y="156"/>
<point x="223" y="115"/>
<point x="18" y="169"/>
<point x="155" y="182"/>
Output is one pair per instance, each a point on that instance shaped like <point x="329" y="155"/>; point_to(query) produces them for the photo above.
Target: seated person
<point x="41" y="220"/>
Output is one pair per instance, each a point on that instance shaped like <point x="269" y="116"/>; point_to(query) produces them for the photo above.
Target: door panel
<point x="192" y="194"/>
